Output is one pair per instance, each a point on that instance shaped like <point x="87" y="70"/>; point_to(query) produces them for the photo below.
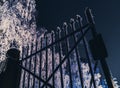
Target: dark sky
<point x="52" y="13"/>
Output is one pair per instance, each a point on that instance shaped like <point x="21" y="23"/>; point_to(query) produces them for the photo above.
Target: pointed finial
<point x="58" y="29"/>
<point x="72" y="21"/>
<point x="79" y="17"/>
<point x="65" y="25"/>
<point x="52" y="32"/>
<point x="89" y="15"/>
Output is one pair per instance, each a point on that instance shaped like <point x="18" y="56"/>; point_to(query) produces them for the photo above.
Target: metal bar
<point x="46" y="39"/>
<point x="87" y="53"/>
<point x="40" y="69"/>
<point x="95" y="67"/>
<point x="106" y="73"/>
<point x="68" y="59"/>
<point x="90" y="20"/>
<point x="77" y="54"/>
<point x="25" y="64"/>
<point x="59" y="47"/>
<point x="59" y="40"/>
<point x="103" y="61"/>
<point x="35" y="76"/>
<point x="30" y="65"/>
<point x="35" y="63"/>
<point x="65" y="57"/>
<point x="53" y="51"/>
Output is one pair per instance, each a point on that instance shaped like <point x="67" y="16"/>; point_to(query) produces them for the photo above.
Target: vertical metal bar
<point x="68" y="59"/>
<point x="46" y="39"/>
<point x="107" y="73"/>
<point x="22" y="52"/>
<point x="102" y="61"/>
<point x="77" y="54"/>
<point x="60" y="47"/>
<point x="40" y="69"/>
<point x="30" y="65"/>
<point x="53" y="62"/>
<point x="90" y="20"/>
<point x="94" y="69"/>
<point x="35" y="63"/>
<point x="23" y="70"/>
<point x="87" y="53"/>
<point x="25" y="63"/>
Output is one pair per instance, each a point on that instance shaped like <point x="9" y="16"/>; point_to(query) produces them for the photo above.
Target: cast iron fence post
<point x="98" y="49"/>
<point x="11" y="77"/>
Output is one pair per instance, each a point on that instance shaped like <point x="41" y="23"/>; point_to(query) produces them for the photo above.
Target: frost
<point x="18" y="29"/>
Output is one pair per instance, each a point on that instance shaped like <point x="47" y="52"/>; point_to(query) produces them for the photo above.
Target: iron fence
<point x="60" y="58"/>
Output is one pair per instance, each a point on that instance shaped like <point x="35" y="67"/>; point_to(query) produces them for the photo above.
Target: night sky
<point x="52" y="13"/>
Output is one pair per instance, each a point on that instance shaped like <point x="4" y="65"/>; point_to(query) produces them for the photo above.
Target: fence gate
<point x="73" y="56"/>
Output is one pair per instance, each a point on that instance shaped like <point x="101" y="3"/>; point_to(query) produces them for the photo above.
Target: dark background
<point x="52" y="13"/>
